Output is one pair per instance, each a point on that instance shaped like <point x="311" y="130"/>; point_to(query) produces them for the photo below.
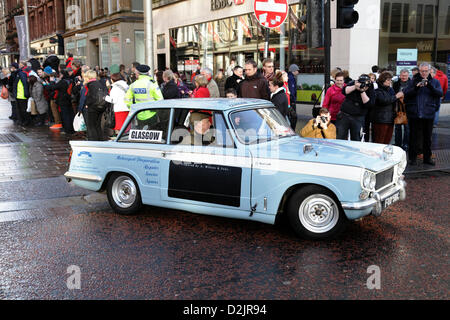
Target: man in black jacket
<point x="52" y="61"/>
<point x="60" y="87"/>
<point x="359" y="97"/>
<point x="12" y="78"/>
<point x="235" y="79"/>
<point x="170" y="89"/>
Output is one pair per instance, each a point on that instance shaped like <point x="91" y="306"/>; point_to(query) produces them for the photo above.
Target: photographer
<point x="320" y="127"/>
<point x="359" y="97"/>
<point x="422" y="100"/>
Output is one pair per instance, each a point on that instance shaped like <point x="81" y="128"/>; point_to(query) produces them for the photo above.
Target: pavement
<point x="440" y="141"/>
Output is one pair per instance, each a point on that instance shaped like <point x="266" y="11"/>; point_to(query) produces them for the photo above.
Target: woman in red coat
<point x="200" y="91"/>
<point x="334" y="96"/>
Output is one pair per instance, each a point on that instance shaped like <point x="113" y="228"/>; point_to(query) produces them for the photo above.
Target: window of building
<point x="104" y="50"/>
<point x="405" y="17"/>
<point x="161" y="41"/>
<point x="115" y="48"/>
<point x="385" y="23"/>
<point x="447" y="22"/>
<point x="419" y="15"/>
<point x="428" y="21"/>
<point x="137" y="5"/>
<point x="396" y="17"/>
<point x="139" y="45"/>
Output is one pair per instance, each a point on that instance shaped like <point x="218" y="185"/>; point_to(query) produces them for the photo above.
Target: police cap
<point x="142" y="68"/>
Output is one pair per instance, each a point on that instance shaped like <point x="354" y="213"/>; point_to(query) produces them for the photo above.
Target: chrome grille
<point x="384" y="178"/>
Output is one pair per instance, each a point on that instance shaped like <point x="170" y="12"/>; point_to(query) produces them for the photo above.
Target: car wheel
<point x="123" y="194"/>
<point x="315" y="213"/>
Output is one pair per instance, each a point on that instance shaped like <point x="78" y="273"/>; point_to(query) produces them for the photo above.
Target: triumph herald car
<point x="238" y="158"/>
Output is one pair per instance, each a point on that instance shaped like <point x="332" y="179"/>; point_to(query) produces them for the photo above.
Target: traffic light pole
<point x="327" y="44"/>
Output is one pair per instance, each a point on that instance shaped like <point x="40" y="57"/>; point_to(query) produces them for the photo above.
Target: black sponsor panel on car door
<point x="205" y="182"/>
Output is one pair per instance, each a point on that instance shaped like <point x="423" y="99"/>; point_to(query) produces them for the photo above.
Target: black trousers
<point x="420" y="132"/>
<point x="346" y="123"/>
<point x="94" y="125"/>
<point x="23" y="116"/>
<point x="67" y="117"/>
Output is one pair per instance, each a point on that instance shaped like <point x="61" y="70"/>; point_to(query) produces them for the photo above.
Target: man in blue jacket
<point x="422" y="100"/>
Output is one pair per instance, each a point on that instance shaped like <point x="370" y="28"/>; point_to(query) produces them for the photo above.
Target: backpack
<point x="99" y="97"/>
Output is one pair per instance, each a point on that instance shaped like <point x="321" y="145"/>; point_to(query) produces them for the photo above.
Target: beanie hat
<point x="293" y="67"/>
<point x="115" y="69"/>
<point x="49" y="70"/>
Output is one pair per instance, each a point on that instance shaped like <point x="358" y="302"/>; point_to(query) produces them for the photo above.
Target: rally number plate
<point x="391" y="200"/>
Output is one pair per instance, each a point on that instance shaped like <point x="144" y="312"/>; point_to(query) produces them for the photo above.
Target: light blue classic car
<point x="238" y="158"/>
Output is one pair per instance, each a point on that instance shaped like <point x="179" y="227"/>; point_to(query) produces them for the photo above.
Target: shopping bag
<point x="5" y="93"/>
<point x="30" y="100"/>
<point x="78" y="123"/>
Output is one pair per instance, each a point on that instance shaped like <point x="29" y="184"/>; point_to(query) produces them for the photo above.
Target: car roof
<point x="220" y="104"/>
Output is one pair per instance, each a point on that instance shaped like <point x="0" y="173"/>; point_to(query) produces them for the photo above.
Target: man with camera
<point x="359" y="97"/>
<point x="320" y="127"/>
<point x="422" y="100"/>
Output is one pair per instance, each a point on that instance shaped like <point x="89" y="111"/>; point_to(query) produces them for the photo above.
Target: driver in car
<point x="202" y="133"/>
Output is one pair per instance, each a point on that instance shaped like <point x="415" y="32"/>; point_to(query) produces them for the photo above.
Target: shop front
<point x="420" y="26"/>
<point x="215" y="36"/>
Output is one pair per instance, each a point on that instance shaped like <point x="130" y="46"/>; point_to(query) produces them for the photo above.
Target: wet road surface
<point x="48" y="225"/>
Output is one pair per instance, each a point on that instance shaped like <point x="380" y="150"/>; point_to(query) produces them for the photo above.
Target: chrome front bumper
<point x="81" y="176"/>
<point x="375" y="201"/>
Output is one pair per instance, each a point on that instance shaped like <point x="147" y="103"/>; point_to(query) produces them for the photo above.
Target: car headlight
<point x="369" y="180"/>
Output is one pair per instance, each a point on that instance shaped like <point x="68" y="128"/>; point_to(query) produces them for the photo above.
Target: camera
<point x="364" y="81"/>
<point x="324" y="119"/>
<point x="424" y="82"/>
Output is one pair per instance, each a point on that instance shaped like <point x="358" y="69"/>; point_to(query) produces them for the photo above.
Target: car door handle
<point x="167" y="153"/>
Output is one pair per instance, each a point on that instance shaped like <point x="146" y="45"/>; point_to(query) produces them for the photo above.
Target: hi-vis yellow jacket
<point x="144" y="89"/>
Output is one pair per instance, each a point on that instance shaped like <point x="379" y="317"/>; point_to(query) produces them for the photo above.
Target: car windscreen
<point x="260" y="125"/>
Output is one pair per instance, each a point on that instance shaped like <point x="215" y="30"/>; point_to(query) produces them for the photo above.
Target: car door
<point x="215" y="175"/>
<point x="139" y="151"/>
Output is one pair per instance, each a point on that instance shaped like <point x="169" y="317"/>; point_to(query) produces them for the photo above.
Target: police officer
<point x="144" y="89"/>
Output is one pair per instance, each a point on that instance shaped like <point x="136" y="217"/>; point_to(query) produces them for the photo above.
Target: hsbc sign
<point x="221" y="4"/>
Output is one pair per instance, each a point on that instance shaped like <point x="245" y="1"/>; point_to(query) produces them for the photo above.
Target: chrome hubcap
<point x="318" y="213"/>
<point x="124" y="192"/>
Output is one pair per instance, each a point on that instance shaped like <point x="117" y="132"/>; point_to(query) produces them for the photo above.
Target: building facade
<point x="104" y="32"/>
<point x="212" y="33"/>
<point x="46" y="21"/>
